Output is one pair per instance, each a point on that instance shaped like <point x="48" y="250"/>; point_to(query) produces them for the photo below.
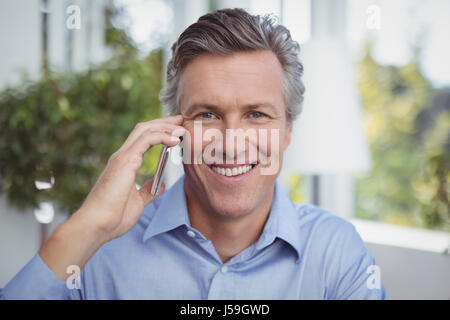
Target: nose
<point x="232" y="121"/>
<point x="234" y="144"/>
<point x="230" y="149"/>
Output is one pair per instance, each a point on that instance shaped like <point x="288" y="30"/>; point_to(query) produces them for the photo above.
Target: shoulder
<point x="334" y="247"/>
<point x="320" y="230"/>
<point x="320" y="220"/>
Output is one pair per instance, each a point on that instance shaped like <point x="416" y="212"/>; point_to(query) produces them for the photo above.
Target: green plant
<point x="408" y="124"/>
<point x="66" y="126"/>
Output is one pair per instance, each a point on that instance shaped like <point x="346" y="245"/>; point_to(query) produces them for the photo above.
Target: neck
<point x="229" y="235"/>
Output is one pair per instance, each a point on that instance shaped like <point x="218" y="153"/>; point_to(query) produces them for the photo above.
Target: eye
<point x="207" y="115"/>
<point x="256" y="114"/>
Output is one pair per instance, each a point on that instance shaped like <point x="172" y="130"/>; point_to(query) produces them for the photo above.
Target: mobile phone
<point x="160" y="170"/>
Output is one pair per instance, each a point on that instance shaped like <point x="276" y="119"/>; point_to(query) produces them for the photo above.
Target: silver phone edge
<point x="160" y="170"/>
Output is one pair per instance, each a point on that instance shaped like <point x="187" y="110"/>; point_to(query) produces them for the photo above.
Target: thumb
<point x="145" y="191"/>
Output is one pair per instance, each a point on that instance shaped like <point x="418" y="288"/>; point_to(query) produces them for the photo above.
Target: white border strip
<point x="400" y="236"/>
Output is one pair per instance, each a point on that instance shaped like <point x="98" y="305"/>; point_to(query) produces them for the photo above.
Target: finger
<point x="143" y="126"/>
<point x="140" y="128"/>
<point x="148" y="139"/>
<point x="145" y="192"/>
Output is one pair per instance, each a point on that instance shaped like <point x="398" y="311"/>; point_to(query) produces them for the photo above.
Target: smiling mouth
<point x="231" y="171"/>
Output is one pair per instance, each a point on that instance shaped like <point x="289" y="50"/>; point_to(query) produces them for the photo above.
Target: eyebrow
<point x="210" y="107"/>
<point x="191" y="109"/>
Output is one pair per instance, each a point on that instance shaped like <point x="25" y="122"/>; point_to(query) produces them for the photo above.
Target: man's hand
<point x="114" y="204"/>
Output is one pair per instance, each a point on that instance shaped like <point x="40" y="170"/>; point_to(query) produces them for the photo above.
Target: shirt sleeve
<point x="359" y="277"/>
<point x="35" y="282"/>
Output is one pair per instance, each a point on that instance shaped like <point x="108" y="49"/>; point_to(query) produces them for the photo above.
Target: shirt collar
<point x="171" y="212"/>
<point x="283" y="222"/>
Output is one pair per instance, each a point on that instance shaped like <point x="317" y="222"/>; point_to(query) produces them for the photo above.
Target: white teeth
<point x="232" y="171"/>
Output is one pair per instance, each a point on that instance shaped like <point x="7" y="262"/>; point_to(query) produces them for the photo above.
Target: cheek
<point x="271" y="142"/>
<point x="196" y="140"/>
<point x="188" y="144"/>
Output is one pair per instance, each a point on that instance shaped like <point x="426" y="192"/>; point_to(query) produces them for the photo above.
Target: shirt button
<point x="190" y="233"/>
<point x="224" y="269"/>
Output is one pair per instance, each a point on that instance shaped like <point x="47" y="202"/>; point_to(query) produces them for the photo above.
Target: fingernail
<point x="174" y="139"/>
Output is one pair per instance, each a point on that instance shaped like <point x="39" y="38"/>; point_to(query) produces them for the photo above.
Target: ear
<point x="287" y="136"/>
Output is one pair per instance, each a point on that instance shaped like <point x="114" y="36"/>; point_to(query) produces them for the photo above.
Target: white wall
<point x="19" y="240"/>
<point x="20" y="235"/>
<point x="413" y="274"/>
<point x="20" y="40"/>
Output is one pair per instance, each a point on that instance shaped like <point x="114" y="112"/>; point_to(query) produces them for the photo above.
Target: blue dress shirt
<point x="303" y="252"/>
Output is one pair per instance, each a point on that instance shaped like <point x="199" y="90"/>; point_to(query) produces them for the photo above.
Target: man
<point x="225" y="230"/>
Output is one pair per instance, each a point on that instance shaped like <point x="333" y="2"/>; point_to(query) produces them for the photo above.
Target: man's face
<point x="241" y="91"/>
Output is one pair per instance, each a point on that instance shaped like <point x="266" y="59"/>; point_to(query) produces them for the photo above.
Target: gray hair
<point x="227" y="31"/>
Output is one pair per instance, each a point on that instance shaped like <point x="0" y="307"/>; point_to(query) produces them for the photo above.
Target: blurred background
<point x="372" y="144"/>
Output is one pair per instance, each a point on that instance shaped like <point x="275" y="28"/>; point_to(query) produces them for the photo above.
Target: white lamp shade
<point x="329" y="135"/>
